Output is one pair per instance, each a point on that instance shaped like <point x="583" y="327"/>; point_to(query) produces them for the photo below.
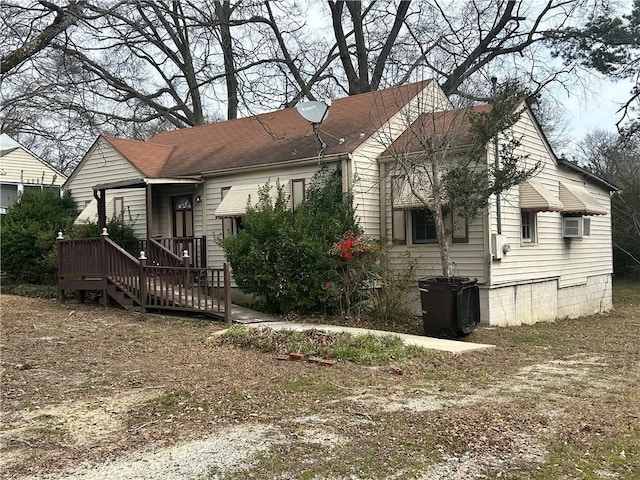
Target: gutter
<point x="268" y="166"/>
<point x="589" y="174"/>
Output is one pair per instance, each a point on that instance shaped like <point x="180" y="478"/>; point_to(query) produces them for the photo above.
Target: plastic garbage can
<point x="450" y="306"/>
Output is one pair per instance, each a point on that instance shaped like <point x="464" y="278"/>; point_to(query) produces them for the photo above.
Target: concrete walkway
<point x="251" y="318"/>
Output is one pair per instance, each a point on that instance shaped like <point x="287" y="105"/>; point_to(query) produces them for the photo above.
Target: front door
<point x="183" y="223"/>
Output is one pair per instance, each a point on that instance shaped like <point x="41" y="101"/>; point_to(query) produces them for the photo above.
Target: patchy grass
<point x="361" y="349"/>
<point x="81" y="383"/>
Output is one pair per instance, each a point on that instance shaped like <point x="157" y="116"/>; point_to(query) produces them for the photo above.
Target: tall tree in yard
<point x="616" y="158"/>
<point x="133" y="67"/>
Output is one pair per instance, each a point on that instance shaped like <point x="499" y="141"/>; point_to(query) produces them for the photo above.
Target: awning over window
<point x="89" y="214"/>
<point x="576" y="199"/>
<point x="234" y="203"/>
<point x="535" y="197"/>
<point x="404" y="198"/>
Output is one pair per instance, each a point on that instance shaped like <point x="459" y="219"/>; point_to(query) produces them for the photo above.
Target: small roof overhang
<point x="405" y="198"/>
<point x="576" y="199"/>
<point x="535" y="197"/>
<point x="143" y="182"/>
<point x="236" y="199"/>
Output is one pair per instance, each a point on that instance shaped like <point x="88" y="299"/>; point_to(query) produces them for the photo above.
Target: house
<point x="21" y="170"/>
<point x="546" y="255"/>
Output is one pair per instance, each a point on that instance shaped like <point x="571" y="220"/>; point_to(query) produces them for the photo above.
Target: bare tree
<point x="616" y="158"/>
<point x="134" y="67"/>
<point x="37" y="31"/>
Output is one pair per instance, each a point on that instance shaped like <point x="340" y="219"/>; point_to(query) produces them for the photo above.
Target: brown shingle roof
<point x="450" y="126"/>
<point x="273" y="137"/>
<point x="147" y="157"/>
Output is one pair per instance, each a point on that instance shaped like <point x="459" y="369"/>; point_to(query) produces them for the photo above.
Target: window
<point x="230" y="225"/>
<point x="528" y="226"/>
<point x="118" y="208"/>
<point x="297" y="192"/>
<point x="586" y="226"/>
<point x="8" y="196"/>
<point x="423" y="227"/>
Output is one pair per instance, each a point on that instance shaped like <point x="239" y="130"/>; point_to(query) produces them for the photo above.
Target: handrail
<point x="158" y="254"/>
<point x="196" y="246"/>
<point x="91" y="263"/>
<point x="123" y="269"/>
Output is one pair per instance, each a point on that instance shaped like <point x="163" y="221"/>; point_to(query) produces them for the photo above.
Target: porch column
<point x="101" y="198"/>
<point x="149" y="205"/>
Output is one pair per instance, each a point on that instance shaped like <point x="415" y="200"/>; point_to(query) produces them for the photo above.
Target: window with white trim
<point x="527" y="226"/>
<point x="230" y="225"/>
<point x="298" y="189"/>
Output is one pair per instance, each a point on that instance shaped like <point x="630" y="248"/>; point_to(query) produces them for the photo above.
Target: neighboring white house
<point x="195" y="182"/>
<point x="21" y="170"/>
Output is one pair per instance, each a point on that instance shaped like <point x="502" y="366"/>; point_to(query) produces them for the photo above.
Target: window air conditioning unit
<point x="572" y="227"/>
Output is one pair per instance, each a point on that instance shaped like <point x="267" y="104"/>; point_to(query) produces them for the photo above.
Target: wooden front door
<point x="183" y="216"/>
<point x="183" y="223"/>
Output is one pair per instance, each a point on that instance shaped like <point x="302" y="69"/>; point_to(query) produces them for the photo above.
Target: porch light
<point x="198" y="199"/>
<point x="185" y="254"/>
<point x="143" y="256"/>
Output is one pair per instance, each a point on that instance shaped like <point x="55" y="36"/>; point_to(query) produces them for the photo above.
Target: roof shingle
<point x="272" y="137"/>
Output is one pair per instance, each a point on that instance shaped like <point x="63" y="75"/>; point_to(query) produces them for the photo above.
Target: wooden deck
<point x="159" y="280"/>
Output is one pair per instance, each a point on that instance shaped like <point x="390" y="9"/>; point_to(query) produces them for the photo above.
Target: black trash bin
<point x="450" y="306"/>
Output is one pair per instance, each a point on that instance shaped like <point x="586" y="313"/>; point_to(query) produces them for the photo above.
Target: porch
<point x="157" y="280"/>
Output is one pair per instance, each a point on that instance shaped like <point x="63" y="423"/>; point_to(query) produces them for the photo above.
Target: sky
<point x="597" y="108"/>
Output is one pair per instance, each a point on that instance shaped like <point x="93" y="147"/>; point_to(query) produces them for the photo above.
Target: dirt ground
<point x="92" y="393"/>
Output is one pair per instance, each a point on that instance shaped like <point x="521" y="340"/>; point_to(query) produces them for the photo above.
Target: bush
<point x="34" y="291"/>
<point x="29" y="230"/>
<point x="282" y="257"/>
<point x="119" y="232"/>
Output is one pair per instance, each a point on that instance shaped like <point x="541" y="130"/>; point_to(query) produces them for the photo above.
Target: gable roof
<point x="268" y="138"/>
<point x="149" y="158"/>
<point x="9" y="145"/>
<point x="451" y="126"/>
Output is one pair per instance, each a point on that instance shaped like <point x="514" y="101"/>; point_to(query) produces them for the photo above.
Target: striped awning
<point x="235" y="201"/>
<point x="535" y="197"/>
<point x="576" y="199"/>
<point x="404" y="197"/>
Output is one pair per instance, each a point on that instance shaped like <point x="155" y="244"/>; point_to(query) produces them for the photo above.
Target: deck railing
<point x="196" y="246"/>
<point x="95" y="263"/>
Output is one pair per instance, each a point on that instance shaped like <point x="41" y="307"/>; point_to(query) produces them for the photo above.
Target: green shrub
<point x="119" y="232"/>
<point x="34" y="291"/>
<point x="282" y="257"/>
<point x="29" y="230"/>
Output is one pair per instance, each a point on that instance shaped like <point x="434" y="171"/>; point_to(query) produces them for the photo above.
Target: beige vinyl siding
<point x="212" y="193"/>
<point x="20" y="167"/>
<point x="364" y="170"/>
<point x="468" y="257"/>
<point x="104" y="164"/>
<point x="551" y="256"/>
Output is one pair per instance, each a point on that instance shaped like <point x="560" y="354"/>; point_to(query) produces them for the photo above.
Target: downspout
<point x="383" y="210"/>
<point x="496" y="164"/>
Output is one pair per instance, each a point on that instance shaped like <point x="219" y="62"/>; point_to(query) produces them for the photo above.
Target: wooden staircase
<point x="158" y="280"/>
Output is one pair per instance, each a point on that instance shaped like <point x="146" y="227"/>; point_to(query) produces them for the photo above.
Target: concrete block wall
<point x="544" y="301"/>
<point x="529" y="303"/>
<point x="594" y="297"/>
